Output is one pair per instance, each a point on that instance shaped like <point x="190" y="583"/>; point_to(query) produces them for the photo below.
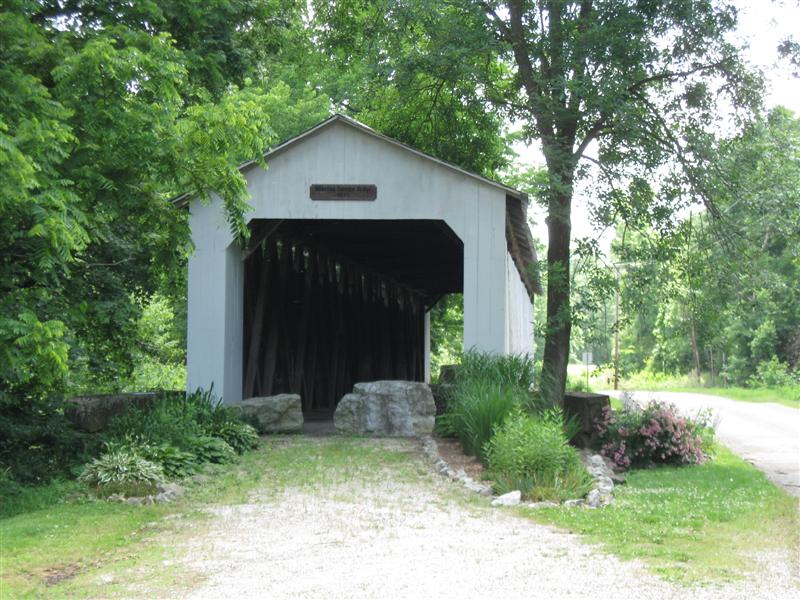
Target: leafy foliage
<point x="158" y="354"/>
<point x="487" y="389"/>
<point x="211" y="449"/>
<point x="107" y="112"/>
<point x="531" y="454"/>
<point x="181" y="432"/>
<point x="176" y="462"/>
<point x="38" y="444"/>
<point x="773" y="373"/>
<point x="121" y="471"/>
<point x="447" y="332"/>
<point x="513" y="370"/>
<point x="173" y="419"/>
<point x="719" y="295"/>
<point x="656" y="433"/>
<point x="239" y="436"/>
<point x="477" y="409"/>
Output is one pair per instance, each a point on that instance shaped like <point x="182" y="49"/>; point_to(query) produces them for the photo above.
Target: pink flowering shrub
<point x="655" y="433"/>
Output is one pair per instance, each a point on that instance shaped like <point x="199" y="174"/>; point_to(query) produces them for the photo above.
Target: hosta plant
<point x="240" y="436"/>
<point x="122" y="471"/>
<point x="212" y="449"/>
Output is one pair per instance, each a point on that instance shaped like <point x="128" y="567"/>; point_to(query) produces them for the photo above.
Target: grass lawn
<point x="643" y="382"/>
<point x="691" y="524"/>
<point x="59" y="548"/>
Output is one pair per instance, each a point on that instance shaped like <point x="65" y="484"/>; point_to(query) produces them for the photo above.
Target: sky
<point x="762" y="25"/>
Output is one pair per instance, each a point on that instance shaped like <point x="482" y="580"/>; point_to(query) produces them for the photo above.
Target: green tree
<point x="724" y="288"/>
<point x="640" y="81"/>
<point x="107" y="110"/>
<point x="396" y="67"/>
<point x="635" y="87"/>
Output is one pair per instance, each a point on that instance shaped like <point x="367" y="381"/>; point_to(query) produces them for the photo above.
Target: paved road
<point x="765" y="434"/>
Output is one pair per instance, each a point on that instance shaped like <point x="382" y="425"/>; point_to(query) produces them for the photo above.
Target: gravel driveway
<point x="412" y="534"/>
<point x="765" y="434"/>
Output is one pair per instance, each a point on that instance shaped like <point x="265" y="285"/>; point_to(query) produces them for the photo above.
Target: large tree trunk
<point x="559" y="317"/>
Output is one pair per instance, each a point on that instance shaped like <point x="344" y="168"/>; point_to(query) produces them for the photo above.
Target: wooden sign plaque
<point x="346" y="191"/>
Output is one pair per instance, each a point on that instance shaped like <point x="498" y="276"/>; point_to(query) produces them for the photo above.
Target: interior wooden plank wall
<point x="315" y="324"/>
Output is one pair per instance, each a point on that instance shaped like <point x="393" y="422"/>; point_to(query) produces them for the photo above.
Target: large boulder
<point x="94" y="413"/>
<point x="281" y="413"/>
<point x="386" y="408"/>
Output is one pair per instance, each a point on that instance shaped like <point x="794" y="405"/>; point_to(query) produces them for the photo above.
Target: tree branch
<point x="676" y="74"/>
<point x="501" y="25"/>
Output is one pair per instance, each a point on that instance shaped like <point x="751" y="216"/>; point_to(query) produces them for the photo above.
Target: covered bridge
<point x="354" y="237"/>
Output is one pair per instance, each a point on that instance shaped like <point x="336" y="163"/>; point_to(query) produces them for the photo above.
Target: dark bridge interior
<point x="328" y="303"/>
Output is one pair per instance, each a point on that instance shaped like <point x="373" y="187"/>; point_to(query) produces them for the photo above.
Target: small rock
<point x="134" y="501"/>
<point x="618" y="478"/>
<point x="596" y="471"/>
<point x="593" y="499"/>
<point x="173" y="489"/>
<point x="542" y="505"/>
<point x="574" y="502"/>
<point x="474" y="486"/>
<point x="597" y="460"/>
<point x="116" y="498"/>
<point x="163" y="497"/>
<point x="605" y="484"/>
<point x="509" y="499"/>
<point x="461" y="475"/>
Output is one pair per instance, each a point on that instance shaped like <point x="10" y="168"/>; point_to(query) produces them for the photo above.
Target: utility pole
<point x="616" y="336"/>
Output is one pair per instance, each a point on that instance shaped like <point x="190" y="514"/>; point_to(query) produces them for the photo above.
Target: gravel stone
<point x="399" y="538"/>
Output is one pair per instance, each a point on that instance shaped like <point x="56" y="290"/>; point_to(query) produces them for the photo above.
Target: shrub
<point x="122" y="471"/>
<point x="531" y="454"/>
<point x="772" y="373"/>
<point x="240" y="436"/>
<point x="38" y="444"/>
<point x="656" y="433"/>
<point x="174" y="419"/>
<point x="181" y="432"/>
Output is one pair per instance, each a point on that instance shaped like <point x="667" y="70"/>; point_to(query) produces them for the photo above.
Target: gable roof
<point x="518" y="234"/>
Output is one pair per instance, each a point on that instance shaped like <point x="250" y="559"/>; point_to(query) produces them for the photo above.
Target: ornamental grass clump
<point x="654" y="434"/>
<point x="477" y="409"/>
<point x="487" y="388"/>
<point x="530" y="453"/>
